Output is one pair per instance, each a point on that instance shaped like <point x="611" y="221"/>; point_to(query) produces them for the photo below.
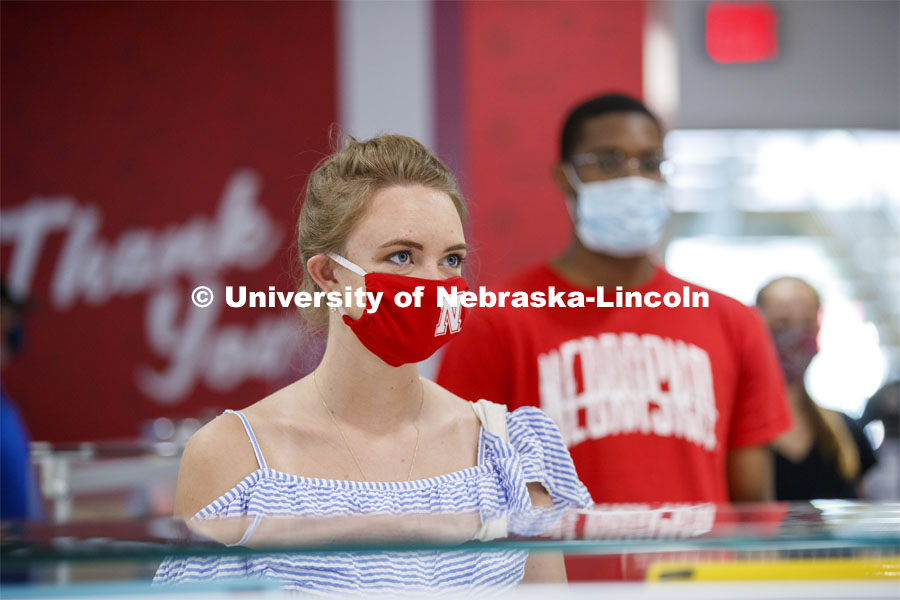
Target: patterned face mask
<point x="796" y="347"/>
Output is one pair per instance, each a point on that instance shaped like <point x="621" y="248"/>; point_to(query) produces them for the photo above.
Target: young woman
<point x="825" y="453"/>
<point x="363" y="433"/>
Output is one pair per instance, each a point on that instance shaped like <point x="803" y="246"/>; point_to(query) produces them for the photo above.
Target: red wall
<point x="126" y="127"/>
<point x="524" y="65"/>
<point x="134" y="117"/>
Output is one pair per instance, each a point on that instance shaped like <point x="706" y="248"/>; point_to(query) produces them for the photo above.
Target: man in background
<point x="655" y="404"/>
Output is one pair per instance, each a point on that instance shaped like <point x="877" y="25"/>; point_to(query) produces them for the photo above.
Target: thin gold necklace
<point x="412" y="463"/>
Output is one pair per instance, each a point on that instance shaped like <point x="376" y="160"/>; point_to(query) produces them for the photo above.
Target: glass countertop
<point x="601" y="530"/>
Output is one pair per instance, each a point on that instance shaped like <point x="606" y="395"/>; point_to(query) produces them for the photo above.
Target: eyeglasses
<point x="615" y="162"/>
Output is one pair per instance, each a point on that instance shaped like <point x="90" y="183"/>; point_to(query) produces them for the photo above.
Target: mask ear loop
<point x="346" y="264"/>
<point x="349" y="266"/>
<point x="575" y="182"/>
<point x="571" y="176"/>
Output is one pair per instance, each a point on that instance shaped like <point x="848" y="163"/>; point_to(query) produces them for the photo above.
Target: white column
<point x="385" y="64"/>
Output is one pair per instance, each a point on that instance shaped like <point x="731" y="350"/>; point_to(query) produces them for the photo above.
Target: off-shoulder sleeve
<point x="544" y="457"/>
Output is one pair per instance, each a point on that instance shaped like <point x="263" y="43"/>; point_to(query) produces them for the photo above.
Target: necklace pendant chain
<point x="334" y="422"/>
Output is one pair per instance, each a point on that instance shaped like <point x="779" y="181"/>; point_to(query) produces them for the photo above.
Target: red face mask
<point x="405" y="335"/>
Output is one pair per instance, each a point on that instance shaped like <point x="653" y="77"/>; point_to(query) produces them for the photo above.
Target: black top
<point x="813" y="477"/>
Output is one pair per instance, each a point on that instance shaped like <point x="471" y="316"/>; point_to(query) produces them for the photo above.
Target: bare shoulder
<point x="215" y="459"/>
<point x="451" y="405"/>
<point x="453" y="430"/>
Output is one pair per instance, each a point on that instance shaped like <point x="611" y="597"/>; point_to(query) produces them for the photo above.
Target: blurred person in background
<point x="825" y="454"/>
<point x="19" y="496"/>
<point x="363" y="433"/>
<point x="882" y="482"/>
<point x="655" y="404"/>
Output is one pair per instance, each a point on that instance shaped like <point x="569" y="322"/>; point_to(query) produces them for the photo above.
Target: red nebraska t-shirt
<point x="648" y="400"/>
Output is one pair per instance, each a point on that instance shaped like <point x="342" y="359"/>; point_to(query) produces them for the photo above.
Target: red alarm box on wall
<point x="741" y="32"/>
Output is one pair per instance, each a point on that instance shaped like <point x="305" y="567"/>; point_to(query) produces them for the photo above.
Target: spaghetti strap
<point x="252" y="436"/>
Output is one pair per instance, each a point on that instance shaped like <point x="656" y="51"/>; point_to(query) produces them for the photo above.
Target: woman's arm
<point x="543" y="567"/>
<point x="215" y="459"/>
<point x="412" y="528"/>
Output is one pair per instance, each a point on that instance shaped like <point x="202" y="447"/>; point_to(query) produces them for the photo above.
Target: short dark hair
<point x="597" y="107"/>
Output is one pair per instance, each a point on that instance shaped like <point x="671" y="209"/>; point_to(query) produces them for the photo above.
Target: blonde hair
<point x="340" y="187"/>
<point x="835" y="442"/>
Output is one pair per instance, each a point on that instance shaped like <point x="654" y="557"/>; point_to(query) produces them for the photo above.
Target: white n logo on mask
<point x="451" y="318"/>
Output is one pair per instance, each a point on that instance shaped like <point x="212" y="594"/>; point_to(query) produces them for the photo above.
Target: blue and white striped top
<point x="496" y="486"/>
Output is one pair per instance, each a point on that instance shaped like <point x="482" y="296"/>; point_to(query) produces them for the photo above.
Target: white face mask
<point x="621" y="217"/>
